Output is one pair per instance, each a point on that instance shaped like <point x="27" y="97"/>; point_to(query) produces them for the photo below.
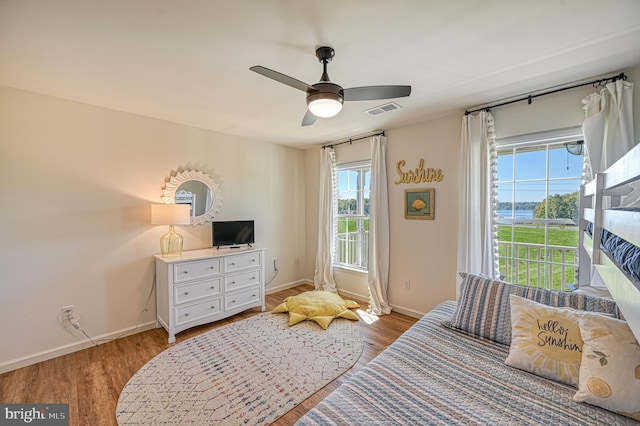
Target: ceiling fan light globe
<point x="325" y="107"/>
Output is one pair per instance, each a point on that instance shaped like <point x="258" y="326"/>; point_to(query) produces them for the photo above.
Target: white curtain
<point x="378" y="275"/>
<point x="608" y="135"/>
<point x="608" y="126"/>
<point x="477" y="230"/>
<point x="323" y="277"/>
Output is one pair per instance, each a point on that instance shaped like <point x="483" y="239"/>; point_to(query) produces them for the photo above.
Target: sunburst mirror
<point x="197" y="189"/>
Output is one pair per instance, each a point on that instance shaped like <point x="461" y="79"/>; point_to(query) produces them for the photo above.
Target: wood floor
<point x="90" y="380"/>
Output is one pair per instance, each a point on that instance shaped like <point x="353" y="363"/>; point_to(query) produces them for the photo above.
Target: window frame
<point x="513" y="146"/>
<point x="360" y="263"/>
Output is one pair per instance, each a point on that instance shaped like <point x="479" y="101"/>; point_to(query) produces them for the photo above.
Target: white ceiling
<point x="188" y="61"/>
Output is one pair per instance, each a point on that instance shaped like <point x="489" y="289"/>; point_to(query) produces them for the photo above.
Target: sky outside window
<point x="348" y="184"/>
<point x="565" y="171"/>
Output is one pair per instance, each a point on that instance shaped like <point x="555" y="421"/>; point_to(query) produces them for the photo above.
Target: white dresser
<point x="202" y="286"/>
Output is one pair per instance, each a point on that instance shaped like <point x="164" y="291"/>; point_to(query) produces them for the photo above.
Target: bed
<point x="456" y="364"/>
<point x="439" y="374"/>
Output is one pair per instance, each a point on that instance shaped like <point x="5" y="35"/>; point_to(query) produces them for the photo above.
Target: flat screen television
<point x="232" y="233"/>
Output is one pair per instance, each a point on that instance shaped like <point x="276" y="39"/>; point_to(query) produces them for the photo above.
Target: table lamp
<point x="171" y="214"/>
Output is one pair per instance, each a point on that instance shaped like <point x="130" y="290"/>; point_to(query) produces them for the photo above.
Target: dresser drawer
<point x="241" y="261"/>
<point x="250" y="296"/>
<point x="197" y="311"/>
<point x="188" y="292"/>
<point x="237" y="281"/>
<point x="194" y="270"/>
<point x="193" y="289"/>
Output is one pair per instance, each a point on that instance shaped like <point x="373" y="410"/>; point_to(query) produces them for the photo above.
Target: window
<point x="538" y="186"/>
<point x="352" y="215"/>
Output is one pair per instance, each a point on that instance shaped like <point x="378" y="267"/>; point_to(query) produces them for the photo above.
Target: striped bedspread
<point x="433" y="375"/>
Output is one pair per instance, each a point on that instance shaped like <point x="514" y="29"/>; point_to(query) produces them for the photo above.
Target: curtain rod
<point x="350" y="140"/>
<point x="622" y="76"/>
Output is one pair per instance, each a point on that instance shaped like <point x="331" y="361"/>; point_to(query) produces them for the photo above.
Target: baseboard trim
<point x="355" y="296"/>
<point x="25" y="361"/>
<point x="287" y="286"/>
<point x="407" y="311"/>
<point x="396" y="308"/>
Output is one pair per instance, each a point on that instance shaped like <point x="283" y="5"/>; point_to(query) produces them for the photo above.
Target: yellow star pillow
<point x="319" y="306"/>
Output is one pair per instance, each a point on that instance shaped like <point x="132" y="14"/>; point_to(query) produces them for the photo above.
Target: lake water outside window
<point x="538" y="210"/>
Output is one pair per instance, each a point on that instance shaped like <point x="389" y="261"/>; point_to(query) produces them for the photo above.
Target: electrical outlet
<point x="275" y="263"/>
<point x="67" y="312"/>
<point x="407" y="285"/>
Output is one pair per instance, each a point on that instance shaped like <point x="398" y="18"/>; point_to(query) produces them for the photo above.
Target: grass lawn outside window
<point x="533" y="263"/>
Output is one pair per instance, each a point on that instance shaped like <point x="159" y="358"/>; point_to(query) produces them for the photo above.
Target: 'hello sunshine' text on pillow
<point x="545" y="340"/>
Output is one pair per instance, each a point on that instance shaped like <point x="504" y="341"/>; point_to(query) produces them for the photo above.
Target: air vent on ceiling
<point x="383" y="108"/>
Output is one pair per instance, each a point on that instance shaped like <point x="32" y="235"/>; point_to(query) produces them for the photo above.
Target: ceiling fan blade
<point x="368" y="93"/>
<point x="281" y="78"/>
<point x="309" y="119"/>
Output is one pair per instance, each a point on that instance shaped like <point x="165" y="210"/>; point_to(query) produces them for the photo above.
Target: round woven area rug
<point x="248" y="372"/>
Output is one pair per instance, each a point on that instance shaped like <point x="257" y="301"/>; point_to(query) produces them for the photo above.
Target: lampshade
<point x="170" y="214"/>
<point x="325" y="106"/>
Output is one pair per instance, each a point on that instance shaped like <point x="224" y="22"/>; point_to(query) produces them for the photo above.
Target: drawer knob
<point x="186" y="293"/>
<point x="213" y="288"/>
<point x="253" y="260"/>
<point x="186" y="315"/>
<point x="233" y="263"/>
<point x="253" y="278"/>
<point x="233" y="301"/>
<point x="253" y="295"/>
<point x="185" y="272"/>
<point x="213" y="307"/>
<point x="212" y="267"/>
<point x="233" y="282"/>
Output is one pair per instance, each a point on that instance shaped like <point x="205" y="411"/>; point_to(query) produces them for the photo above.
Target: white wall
<point x="425" y="251"/>
<point x="77" y="182"/>
<point x="422" y="251"/>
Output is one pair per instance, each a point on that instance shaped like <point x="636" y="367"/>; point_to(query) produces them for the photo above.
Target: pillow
<point x="610" y="369"/>
<point x="545" y="340"/>
<point x="483" y="306"/>
<point x="319" y="306"/>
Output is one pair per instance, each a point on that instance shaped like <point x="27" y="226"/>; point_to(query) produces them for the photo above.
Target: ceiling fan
<point x="325" y="98"/>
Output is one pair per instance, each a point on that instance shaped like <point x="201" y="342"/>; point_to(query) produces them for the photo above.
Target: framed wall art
<point x="419" y="203"/>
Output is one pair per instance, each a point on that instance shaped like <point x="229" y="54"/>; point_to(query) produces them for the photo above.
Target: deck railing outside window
<point x="352" y="249"/>
<point x="538" y="265"/>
